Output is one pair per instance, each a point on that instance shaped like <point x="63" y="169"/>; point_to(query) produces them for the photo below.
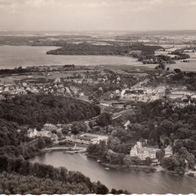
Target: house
<point x="49" y="127"/>
<point x="179" y="94"/>
<point x="126" y="125"/>
<point x="93" y="138"/>
<point x="168" y="151"/>
<point x="32" y="133"/>
<point x="144" y="94"/>
<point x="143" y="152"/>
<point x="87" y="138"/>
<point x="161" y="52"/>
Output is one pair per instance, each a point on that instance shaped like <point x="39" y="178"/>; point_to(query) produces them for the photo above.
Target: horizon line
<point x="154" y="30"/>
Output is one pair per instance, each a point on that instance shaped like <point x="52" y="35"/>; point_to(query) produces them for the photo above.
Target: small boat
<point x="107" y="168"/>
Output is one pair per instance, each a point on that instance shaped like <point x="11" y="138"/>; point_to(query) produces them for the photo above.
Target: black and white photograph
<point x="97" y="97"/>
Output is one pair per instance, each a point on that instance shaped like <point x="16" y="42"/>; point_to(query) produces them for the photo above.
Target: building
<point x="49" y="127"/>
<point x="179" y="94"/>
<point x="126" y="125"/>
<point x="143" y="94"/>
<point x="33" y="133"/>
<point x="87" y="138"/>
<point x="168" y="151"/>
<point x="143" y="152"/>
<point x="93" y="138"/>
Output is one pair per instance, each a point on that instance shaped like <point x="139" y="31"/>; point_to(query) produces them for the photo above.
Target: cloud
<point x="97" y="3"/>
<point x="97" y="14"/>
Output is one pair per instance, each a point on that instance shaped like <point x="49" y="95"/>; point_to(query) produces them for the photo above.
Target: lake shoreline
<point x="143" y="168"/>
<point x="25" y="56"/>
<point x="132" y="179"/>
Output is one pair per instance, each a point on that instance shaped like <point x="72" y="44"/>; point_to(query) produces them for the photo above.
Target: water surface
<point x="14" y="56"/>
<point x="134" y="182"/>
<point x="190" y="66"/>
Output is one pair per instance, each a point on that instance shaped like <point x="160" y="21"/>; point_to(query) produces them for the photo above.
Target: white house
<point x="49" y="127"/>
<point x="168" y="151"/>
<point x="31" y="133"/>
<point x="126" y="125"/>
<point x="93" y="138"/>
<point x="143" y="152"/>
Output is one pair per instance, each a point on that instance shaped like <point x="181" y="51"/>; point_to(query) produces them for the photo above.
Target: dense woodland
<point x="187" y="79"/>
<point x="17" y="174"/>
<point x="89" y="49"/>
<point x="22" y="177"/>
<point x="37" y="110"/>
<point x="161" y="124"/>
<point x="18" y="184"/>
<point x="13" y="71"/>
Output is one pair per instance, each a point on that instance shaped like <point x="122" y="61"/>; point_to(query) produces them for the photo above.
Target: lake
<point x="15" y="56"/>
<point x="134" y="182"/>
<point x="190" y="66"/>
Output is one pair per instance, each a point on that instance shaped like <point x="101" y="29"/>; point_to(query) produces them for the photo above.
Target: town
<point x="97" y="97"/>
<point x="120" y="93"/>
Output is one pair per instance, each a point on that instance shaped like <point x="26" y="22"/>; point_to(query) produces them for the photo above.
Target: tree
<point x="115" y="158"/>
<point x="37" y="109"/>
<point x="183" y="133"/>
<point x="104" y="119"/>
<point x="166" y="127"/>
<point x="160" y="154"/>
<point x="97" y="150"/>
<point x="118" y="192"/>
<point x="148" y="161"/>
<point x="169" y="163"/>
<point x="113" y="142"/>
<point x="101" y="189"/>
<point x="189" y="157"/>
<point x="174" y="163"/>
<point x="78" y="127"/>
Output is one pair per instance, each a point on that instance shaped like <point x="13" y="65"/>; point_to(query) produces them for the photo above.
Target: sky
<point x="97" y="15"/>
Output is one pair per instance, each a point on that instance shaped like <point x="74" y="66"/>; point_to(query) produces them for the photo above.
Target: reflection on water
<point x="134" y="182"/>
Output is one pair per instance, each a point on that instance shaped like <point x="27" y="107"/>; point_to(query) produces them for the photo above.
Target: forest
<point x="90" y="49"/>
<point x="36" y="110"/>
<point x="22" y="177"/>
<point x="17" y="174"/>
<point x="161" y="123"/>
<point x="187" y="79"/>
